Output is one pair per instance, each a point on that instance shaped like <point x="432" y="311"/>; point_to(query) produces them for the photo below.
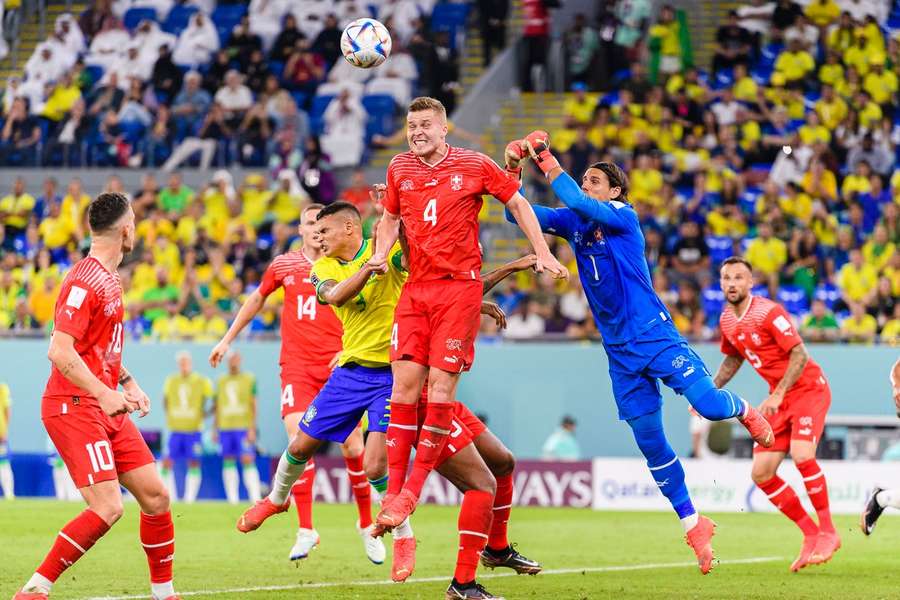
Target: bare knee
<point x="485" y="483"/>
<point x="801" y="456"/>
<point x="353" y="447"/>
<point x="761" y="473"/>
<point x="442" y="388"/>
<point x="155" y="501"/>
<point x="108" y="509"/>
<point x="296" y="449"/>
<point x="505" y="465"/>
<point x="375" y="465"/>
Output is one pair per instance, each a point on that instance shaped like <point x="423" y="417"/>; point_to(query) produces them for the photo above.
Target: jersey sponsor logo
<point x="783" y="325"/>
<point x="427" y="443"/>
<point x="454" y="344"/>
<point x="456" y="182"/>
<point x="169" y="558"/>
<point x="76" y="296"/>
<point x="70" y="312"/>
<point x="390" y="442"/>
<point x="662" y="483"/>
<point x="431" y="183"/>
<point x="577" y="237"/>
<point x="741" y="337"/>
<point x="450" y="359"/>
<point x="679" y="361"/>
<point x="805" y="431"/>
<point x="310" y="414"/>
<point x="406" y="185"/>
<point x="806" y="421"/>
<point x="688" y="373"/>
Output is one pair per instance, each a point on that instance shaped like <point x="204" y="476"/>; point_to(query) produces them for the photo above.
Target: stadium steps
<point x="30" y="37"/>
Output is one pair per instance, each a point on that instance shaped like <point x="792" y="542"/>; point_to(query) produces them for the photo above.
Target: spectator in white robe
<point x="345" y="128"/>
<point x="108" y="45"/>
<point x="150" y="37"/>
<point x="265" y="19"/>
<point x="404" y="15"/>
<point x="132" y="65"/>
<point x="68" y="30"/>
<point x="45" y="65"/>
<point x="162" y="7"/>
<point x="197" y="43"/>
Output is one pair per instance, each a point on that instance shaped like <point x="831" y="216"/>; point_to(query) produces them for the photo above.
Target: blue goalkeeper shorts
<point x="350" y="392"/>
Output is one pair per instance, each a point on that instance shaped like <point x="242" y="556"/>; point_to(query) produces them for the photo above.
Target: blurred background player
<point x="6" y="474"/>
<point x="761" y="331"/>
<point x="436" y="189"/>
<point x="639" y="338"/>
<point x="87" y="417"/>
<point x="364" y="301"/>
<point x="235" y="410"/>
<point x="63" y="486"/>
<point x="186" y="395"/>
<point x="882" y="498"/>
<point x="561" y="444"/>
<point x="310" y="347"/>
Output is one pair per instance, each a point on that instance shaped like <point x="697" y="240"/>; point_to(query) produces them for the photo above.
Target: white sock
<point x="191" y="485"/>
<point x="6" y="480"/>
<point x="886" y="498"/>
<point x="289" y="470"/>
<point x="232" y="481"/>
<point x="251" y="482"/>
<point x="403" y="530"/>
<point x="168" y="477"/>
<point x="38" y="583"/>
<point x="161" y="591"/>
<point x="690" y="521"/>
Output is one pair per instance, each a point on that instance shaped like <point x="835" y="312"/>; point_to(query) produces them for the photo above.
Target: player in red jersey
<point x="435" y="190"/>
<point x="310" y="345"/>
<point x="87" y="418"/>
<point x="760" y="330"/>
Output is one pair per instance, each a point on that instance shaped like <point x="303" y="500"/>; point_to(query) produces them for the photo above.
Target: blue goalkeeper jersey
<point x="609" y="248"/>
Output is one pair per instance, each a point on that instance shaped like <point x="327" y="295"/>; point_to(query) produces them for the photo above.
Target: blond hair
<point x="428" y="103"/>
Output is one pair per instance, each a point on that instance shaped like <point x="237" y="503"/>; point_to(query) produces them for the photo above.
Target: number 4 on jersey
<point x="430" y="214"/>
<point x="306" y="307"/>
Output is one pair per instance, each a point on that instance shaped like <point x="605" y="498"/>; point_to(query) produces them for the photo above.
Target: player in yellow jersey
<point x="185" y="395"/>
<point x="364" y="300"/>
<point x="6" y="475"/>
<point x="235" y="409"/>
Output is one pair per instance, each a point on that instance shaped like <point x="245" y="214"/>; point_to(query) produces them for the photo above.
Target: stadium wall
<point x="523" y="389"/>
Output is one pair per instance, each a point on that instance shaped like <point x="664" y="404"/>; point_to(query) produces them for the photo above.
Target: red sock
<point x="783" y="497"/>
<point x="431" y="443"/>
<point x="502" y="507"/>
<point x="401" y="436"/>
<point x="73" y="541"/>
<point x="474" y="523"/>
<point x="302" y="491"/>
<point x="817" y="490"/>
<point x="359" y="483"/>
<point x="158" y="540"/>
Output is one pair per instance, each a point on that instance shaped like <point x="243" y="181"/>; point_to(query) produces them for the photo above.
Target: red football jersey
<point x="765" y="336"/>
<point x="439" y="207"/>
<point x="310" y="332"/>
<point x="90" y="309"/>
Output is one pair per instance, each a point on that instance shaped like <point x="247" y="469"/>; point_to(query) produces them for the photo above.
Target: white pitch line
<point x="334" y="584"/>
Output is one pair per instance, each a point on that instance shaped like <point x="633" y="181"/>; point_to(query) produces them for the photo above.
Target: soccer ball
<point x="366" y="43"/>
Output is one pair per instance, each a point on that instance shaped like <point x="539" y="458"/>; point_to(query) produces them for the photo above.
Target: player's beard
<point x="738" y="300"/>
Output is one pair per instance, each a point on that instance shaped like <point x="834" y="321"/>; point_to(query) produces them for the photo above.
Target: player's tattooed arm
<point x="124" y="377"/>
<point x="489" y="280"/>
<point x="796" y="363"/>
<point x="340" y="293"/>
<point x="727" y="370"/>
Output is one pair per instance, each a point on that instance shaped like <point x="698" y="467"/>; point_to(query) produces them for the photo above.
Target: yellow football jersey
<point x="235" y="396"/>
<point x="368" y="318"/>
<point x="185" y="399"/>
<point x="5" y="402"/>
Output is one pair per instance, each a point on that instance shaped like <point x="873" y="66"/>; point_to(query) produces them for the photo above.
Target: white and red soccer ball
<point x="366" y="43"/>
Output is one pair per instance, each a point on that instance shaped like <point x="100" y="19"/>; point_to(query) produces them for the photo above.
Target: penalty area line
<point x="338" y="584"/>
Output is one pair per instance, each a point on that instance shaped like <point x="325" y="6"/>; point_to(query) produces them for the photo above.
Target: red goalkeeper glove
<point x="515" y="153"/>
<point x="538" y="143"/>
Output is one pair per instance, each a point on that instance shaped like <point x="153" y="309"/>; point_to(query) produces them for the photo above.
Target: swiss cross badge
<point x="289" y="280"/>
<point x="456" y="183"/>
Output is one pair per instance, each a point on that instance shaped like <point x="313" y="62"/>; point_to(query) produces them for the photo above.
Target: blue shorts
<point x="234" y="443"/>
<point x="350" y="392"/>
<point x="185" y="445"/>
<point x="636" y="368"/>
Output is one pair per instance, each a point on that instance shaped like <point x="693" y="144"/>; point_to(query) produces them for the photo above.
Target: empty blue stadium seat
<point x="133" y="16"/>
<point x="316" y="112"/>
<point x="177" y="20"/>
<point x="449" y="16"/>
<point x="828" y="293"/>
<point x="95" y="72"/>
<point x="381" y="113"/>
<point x="720" y="248"/>
<point x="761" y="290"/>
<point x="713" y="300"/>
<point x="228" y="13"/>
<point x="794" y="299"/>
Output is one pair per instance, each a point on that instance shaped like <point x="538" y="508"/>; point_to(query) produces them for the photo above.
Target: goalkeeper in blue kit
<point x="641" y="342"/>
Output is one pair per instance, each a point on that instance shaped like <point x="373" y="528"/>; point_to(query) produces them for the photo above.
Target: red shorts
<point x="298" y="389"/>
<point x="802" y="417"/>
<point x="464" y="428"/>
<point x="436" y="323"/>
<point x="96" y="447"/>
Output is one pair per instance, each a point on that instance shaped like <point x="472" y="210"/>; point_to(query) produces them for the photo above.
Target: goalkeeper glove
<point x="538" y="143"/>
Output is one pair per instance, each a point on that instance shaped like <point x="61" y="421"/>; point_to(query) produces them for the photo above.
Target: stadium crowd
<point x="782" y="150"/>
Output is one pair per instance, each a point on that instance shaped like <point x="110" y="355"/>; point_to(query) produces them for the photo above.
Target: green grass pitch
<point x="629" y="555"/>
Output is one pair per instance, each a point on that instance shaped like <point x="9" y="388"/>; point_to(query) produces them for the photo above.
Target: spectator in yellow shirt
<point x="856" y="279"/>
<point x="75" y="203"/>
<point x="860" y="327"/>
<point x="796" y="203"/>
<point x="16" y="208"/>
<point x="172" y="326"/>
<point x="209" y="326"/>
<point x="216" y="273"/>
<point x="819" y="182"/>
<point x="880" y="83"/>
<point x="822" y="13"/>
<point x="877" y="252"/>
<point x="870" y="114"/>
<point x="645" y="181"/>
<point x="890" y="333"/>
<point x="842" y="37"/>
<point x="42" y="301"/>
<point x="767" y="254"/>
<point x="813" y="132"/>
<point x="860" y="55"/>
<point x="832" y="71"/>
<point x="857" y="182"/>
<point x="578" y="109"/>
<point x="255" y="199"/>
<point x="56" y="231"/>
<point x="666" y="33"/>
<point x="64" y="95"/>
<point x="794" y="63"/>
